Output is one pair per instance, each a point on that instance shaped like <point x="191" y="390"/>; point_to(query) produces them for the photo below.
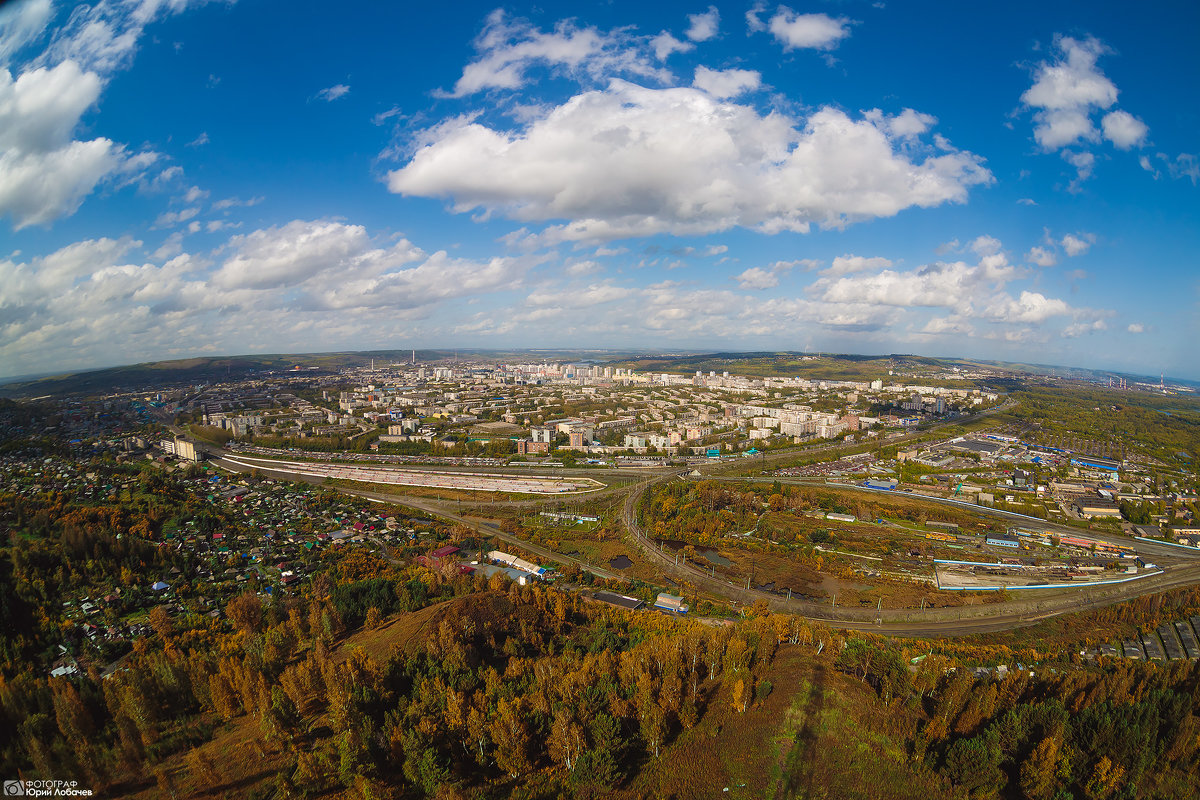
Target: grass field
<point x="817" y="734"/>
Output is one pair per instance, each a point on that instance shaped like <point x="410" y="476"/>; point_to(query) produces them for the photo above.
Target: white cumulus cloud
<point x="808" y="31"/>
<point x="702" y="27"/>
<point x="764" y="278"/>
<point x="1042" y="256"/>
<point x="44" y="173"/>
<point x="664" y="44"/>
<point x="844" y="265"/>
<point x="1077" y="245"/>
<point x="632" y="161"/>
<point x="1067" y="92"/>
<point x="726" y="83"/>
<point x="508" y="48"/>
<point x="1123" y="129"/>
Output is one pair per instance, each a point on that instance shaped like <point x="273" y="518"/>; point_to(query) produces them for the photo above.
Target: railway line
<point x="930" y="622"/>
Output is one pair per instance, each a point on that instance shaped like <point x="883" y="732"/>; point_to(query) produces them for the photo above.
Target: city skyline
<point x="187" y="178"/>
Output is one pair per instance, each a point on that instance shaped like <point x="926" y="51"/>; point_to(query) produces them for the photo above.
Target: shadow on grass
<point x="800" y="772"/>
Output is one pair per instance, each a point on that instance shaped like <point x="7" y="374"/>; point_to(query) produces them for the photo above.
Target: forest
<point x="465" y="688"/>
<point x="1162" y="426"/>
<point x="378" y="677"/>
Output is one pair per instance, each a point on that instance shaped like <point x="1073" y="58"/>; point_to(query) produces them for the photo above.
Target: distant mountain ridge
<point x="831" y="366"/>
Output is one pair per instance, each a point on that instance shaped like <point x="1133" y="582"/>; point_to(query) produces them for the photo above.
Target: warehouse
<point x="515" y="562"/>
<point x="671" y="603"/>
<point x="618" y="600"/>
<point x="1105" y="464"/>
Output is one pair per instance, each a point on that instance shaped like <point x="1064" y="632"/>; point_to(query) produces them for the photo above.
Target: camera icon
<point x="14" y="789"/>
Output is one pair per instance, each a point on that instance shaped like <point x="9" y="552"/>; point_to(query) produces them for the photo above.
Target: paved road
<point x="957" y="621"/>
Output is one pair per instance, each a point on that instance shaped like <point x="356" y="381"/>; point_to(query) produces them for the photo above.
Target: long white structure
<point x="484" y="482"/>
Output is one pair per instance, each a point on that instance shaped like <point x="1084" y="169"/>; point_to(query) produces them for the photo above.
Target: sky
<point x="1013" y="181"/>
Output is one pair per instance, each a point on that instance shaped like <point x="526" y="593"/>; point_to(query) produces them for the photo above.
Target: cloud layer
<point x="633" y="161"/>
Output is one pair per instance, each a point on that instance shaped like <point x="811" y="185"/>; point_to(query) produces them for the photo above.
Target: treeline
<point x="1123" y="730"/>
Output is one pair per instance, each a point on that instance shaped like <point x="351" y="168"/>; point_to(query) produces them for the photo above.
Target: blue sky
<point x="1016" y="181"/>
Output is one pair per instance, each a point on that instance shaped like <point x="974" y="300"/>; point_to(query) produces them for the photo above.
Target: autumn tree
<point x="510" y="732"/>
<point x="1037" y="773"/>
<point x="160" y="621"/>
<point x="738" y="696"/>
<point x="246" y="612"/>
<point x="374" y="618"/>
<point x="566" y="738"/>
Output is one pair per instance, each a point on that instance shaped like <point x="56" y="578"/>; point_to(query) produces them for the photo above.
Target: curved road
<point x="956" y="621"/>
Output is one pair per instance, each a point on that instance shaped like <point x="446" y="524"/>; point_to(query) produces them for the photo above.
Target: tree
<point x="511" y="734"/>
<point x="653" y="725"/>
<point x="72" y="716"/>
<point x="160" y="620"/>
<point x="974" y="763"/>
<point x="739" y="696"/>
<point x="892" y="674"/>
<point x="566" y="738"/>
<point x="857" y="658"/>
<point x="374" y="618"/>
<point x="284" y="719"/>
<point x="246" y="612"/>
<point x="1037" y="772"/>
<point x="1105" y="779"/>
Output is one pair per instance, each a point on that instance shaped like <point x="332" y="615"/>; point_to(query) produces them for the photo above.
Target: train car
<point x="941" y="537"/>
<point x="1077" y="541"/>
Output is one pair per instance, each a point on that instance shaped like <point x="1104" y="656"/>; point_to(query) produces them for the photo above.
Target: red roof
<point x="442" y="552"/>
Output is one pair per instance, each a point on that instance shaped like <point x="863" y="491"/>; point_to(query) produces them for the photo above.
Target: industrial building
<point x="618" y="600"/>
<point x="516" y="562"/>
<point x="670" y="603"/>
